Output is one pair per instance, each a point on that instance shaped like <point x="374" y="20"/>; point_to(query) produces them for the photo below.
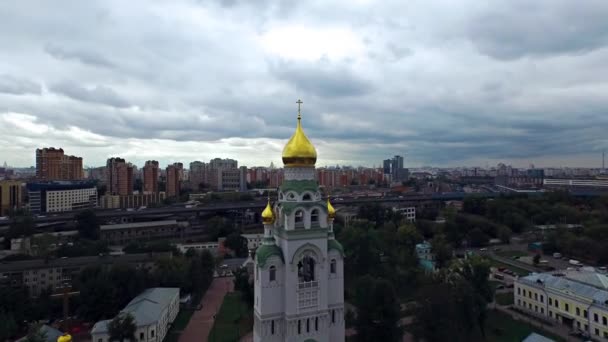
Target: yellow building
<point x="577" y="298"/>
<point x="10" y="196"/>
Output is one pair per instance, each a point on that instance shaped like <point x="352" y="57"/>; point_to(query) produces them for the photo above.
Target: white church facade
<point x="299" y="268"/>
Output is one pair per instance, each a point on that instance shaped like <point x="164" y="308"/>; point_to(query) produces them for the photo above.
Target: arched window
<point x="332" y="266"/>
<point x="272" y="327"/>
<point x="299" y="217"/>
<point x="306" y="197"/>
<point x="299" y="327"/>
<point x="306" y="269"/>
<point x="273" y="273"/>
<point x="308" y="325"/>
<point x="314" y="215"/>
<point x="333" y="316"/>
<point x="316" y="323"/>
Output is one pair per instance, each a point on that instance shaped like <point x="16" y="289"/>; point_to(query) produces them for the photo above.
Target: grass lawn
<point x="179" y="324"/>
<point x="517" y="270"/>
<point x="510" y="254"/>
<point x="505" y="298"/>
<point x="234" y="320"/>
<point x="500" y="327"/>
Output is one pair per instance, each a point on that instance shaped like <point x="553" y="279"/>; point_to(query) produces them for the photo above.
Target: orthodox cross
<point x="299" y="102"/>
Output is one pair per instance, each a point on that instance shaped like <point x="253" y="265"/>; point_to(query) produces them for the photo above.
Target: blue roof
<point x="145" y="308"/>
<point x="534" y="337"/>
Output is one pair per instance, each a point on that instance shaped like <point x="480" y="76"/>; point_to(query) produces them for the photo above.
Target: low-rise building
<point x="426" y="258"/>
<point x="577" y="299"/>
<point x="213" y="247"/>
<point x="131" y="201"/>
<point x="409" y="213"/>
<point x="40" y="274"/>
<point x="154" y="310"/>
<point x="60" y="196"/>
<point x="253" y="240"/>
<point x="125" y="233"/>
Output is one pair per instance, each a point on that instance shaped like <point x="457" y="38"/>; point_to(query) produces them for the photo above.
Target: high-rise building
<point x="10" y="196"/>
<point x="386" y="163"/>
<point x="298" y="269"/>
<point x="151" y="177"/>
<point x="174" y="177"/>
<point x="198" y="174"/>
<point x="52" y="164"/>
<point x="119" y="177"/>
<point x="223" y="174"/>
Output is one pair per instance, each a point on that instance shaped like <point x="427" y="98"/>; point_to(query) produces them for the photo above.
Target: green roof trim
<point x="266" y="251"/>
<point x="334" y="244"/>
<point x="300" y="186"/>
<point x="288" y="207"/>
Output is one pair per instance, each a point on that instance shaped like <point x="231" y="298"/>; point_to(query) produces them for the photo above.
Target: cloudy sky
<point x="446" y="83"/>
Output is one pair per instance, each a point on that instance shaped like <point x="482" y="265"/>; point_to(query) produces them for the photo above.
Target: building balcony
<point x="308" y="285"/>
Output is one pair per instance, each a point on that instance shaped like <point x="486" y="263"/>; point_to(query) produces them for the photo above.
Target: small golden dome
<point x="267" y="214"/>
<point x="331" y="212"/>
<point x="64" y="338"/>
<point x="299" y="151"/>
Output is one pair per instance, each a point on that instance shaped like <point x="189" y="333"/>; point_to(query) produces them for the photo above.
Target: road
<point x="201" y="322"/>
<point x="256" y="204"/>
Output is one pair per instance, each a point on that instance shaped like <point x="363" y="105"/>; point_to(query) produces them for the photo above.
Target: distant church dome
<point x="299" y="151"/>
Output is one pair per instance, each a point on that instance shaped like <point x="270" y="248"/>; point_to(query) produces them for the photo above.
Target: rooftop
<point x="17" y="266"/>
<point x="581" y="285"/>
<point x="534" y="337"/>
<point x="146" y="308"/>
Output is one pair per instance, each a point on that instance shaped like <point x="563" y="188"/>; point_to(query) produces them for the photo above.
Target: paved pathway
<point x="200" y="324"/>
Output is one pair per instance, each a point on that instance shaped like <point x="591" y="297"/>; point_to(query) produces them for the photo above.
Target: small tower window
<point x="316" y="323"/>
<point x="299" y="327"/>
<point x="333" y="316"/>
<point x="332" y="266"/>
<point x="306" y="269"/>
<point x="306" y="197"/>
<point x="299" y="217"/>
<point x="314" y="216"/>
<point x="308" y="325"/>
<point x="272" y="327"/>
<point x="273" y="273"/>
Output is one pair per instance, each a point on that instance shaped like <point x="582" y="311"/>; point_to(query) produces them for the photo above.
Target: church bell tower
<point x="299" y="273"/>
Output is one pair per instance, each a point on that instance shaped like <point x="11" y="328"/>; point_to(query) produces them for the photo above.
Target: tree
<point x="35" y="334"/>
<point x="122" y="327"/>
<point x="238" y="244"/>
<point x="242" y="284"/>
<point x="536" y="259"/>
<point x="441" y="250"/>
<point x="21" y="224"/>
<point x="8" y="326"/>
<point x="377" y="310"/>
<point x="88" y="224"/>
<point x="446" y="311"/>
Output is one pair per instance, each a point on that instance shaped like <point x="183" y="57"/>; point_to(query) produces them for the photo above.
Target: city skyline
<point x="443" y="84"/>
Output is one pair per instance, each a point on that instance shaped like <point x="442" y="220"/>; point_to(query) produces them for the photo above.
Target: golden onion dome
<point x="65" y="338"/>
<point x="299" y="151"/>
<point x="331" y="212"/>
<point x="267" y="214"/>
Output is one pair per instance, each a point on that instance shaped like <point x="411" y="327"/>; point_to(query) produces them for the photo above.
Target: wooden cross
<point x="65" y="294"/>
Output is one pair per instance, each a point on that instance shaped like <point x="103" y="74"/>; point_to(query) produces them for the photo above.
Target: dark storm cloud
<point x="85" y="57"/>
<point x="440" y="82"/>
<point x="97" y="94"/>
<point x="321" y="78"/>
<point x="18" y="86"/>
<point x="541" y="28"/>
